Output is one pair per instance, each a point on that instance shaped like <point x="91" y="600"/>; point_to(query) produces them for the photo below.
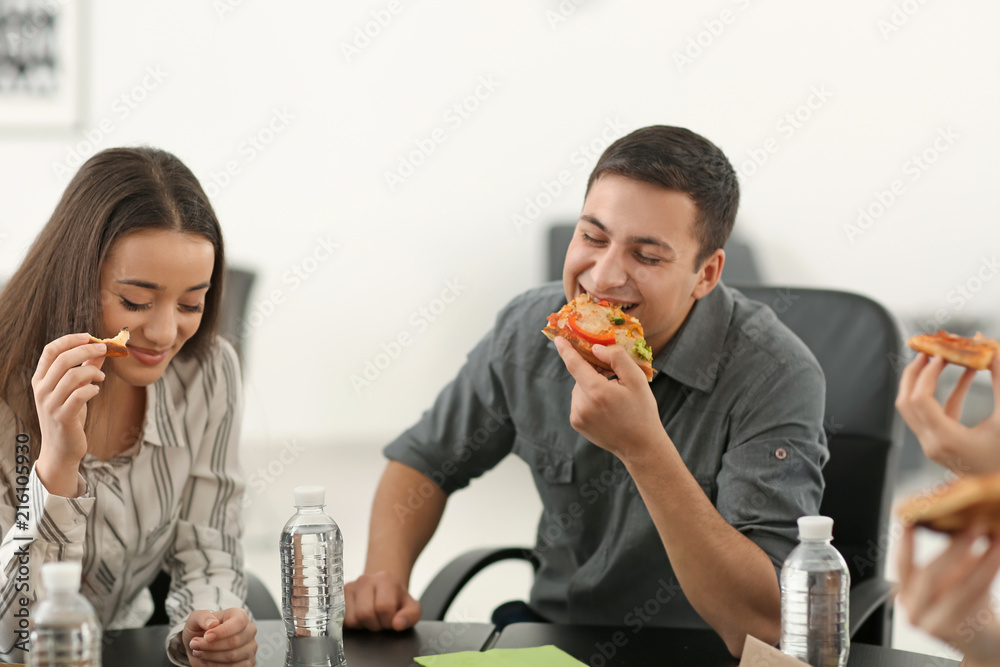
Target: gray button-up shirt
<point x="740" y="396"/>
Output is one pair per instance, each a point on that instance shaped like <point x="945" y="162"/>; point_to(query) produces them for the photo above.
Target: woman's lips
<point x="147" y="357"/>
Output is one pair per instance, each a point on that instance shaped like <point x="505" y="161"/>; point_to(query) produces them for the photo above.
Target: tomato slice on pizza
<point x="605" y="337"/>
<point x="585" y="323"/>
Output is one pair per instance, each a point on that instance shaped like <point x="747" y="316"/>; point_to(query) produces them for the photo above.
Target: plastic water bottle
<point x="312" y="582"/>
<point x="815" y="591"/>
<point x="64" y="628"/>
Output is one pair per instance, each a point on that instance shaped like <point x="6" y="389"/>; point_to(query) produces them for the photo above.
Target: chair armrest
<point x="866" y="598"/>
<point x="444" y="588"/>
<point x="259" y="600"/>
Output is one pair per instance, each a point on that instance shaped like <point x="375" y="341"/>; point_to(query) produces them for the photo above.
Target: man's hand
<point x="615" y="414"/>
<point x="943" y="438"/>
<point x="220" y="638"/>
<point x="379" y="602"/>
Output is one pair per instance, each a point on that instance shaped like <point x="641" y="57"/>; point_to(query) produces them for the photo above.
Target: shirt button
<point x="781" y="453"/>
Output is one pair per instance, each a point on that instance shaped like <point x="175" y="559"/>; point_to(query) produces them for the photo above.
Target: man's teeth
<point x="623" y="306"/>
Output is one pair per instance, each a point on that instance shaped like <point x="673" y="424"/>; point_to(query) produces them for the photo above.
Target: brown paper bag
<point x="758" y="654"/>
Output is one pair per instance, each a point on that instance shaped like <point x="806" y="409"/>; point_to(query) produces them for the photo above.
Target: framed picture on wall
<point x="40" y="63"/>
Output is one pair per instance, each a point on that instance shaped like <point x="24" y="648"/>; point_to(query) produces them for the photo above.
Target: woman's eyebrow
<point x="145" y="284"/>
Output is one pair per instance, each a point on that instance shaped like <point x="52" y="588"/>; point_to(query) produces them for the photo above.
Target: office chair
<point x="858" y="345"/>
<point x="233" y="313"/>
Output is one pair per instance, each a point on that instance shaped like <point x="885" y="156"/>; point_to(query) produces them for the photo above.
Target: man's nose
<point x="608" y="271"/>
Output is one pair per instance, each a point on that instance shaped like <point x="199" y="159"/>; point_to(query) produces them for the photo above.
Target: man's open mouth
<point x="624" y="305"/>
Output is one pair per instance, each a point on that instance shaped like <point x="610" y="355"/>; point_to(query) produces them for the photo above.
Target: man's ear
<point x="709" y="273"/>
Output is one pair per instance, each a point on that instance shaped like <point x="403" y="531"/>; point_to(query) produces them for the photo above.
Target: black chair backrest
<point x="233" y="323"/>
<point x="858" y="344"/>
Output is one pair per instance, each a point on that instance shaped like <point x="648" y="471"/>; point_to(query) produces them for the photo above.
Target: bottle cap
<point x="310" y="496"/>
<point x="815" y="528"/>
<point x="62" y="576"/>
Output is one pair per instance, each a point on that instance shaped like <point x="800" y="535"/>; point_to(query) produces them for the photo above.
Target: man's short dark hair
<point x="676" y="158"/>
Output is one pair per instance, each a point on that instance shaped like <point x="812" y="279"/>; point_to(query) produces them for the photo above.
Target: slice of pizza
<point x="116" y="345"/>
<point x="976" y="352"/>
<point x="957" y="505"/>
<point x="585" y="323"/>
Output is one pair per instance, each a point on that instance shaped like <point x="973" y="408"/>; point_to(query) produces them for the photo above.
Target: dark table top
<point x="145" y="646"/>
<point x="596" y="646"/>
<point x="620" y="647"/>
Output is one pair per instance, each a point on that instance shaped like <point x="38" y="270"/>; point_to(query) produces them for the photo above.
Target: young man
<point x="683" y="491"/>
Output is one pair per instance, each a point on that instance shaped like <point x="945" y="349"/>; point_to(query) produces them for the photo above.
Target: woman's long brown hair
<point x="56" y="290"/>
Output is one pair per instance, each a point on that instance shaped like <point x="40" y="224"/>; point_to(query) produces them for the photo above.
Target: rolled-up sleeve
<point x="466" y="432"/>
<point x="771" y="471"/>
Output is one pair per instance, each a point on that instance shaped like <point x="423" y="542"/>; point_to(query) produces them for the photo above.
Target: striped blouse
<point x="171" y="502"/>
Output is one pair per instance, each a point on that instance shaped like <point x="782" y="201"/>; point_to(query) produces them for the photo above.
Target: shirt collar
<point x="689" y="355"/>
<point x="162" y="425"/>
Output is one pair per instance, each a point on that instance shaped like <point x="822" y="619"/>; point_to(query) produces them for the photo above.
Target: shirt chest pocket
<point x="552" y="468"/>
<point x="549" y="464"/>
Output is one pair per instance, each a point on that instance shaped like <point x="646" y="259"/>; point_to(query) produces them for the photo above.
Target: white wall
<point x="886" y="96"/>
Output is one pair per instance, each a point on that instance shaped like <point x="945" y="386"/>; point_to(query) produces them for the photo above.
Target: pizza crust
<point x="584" y="350"/>
<point x="116" y="345"/>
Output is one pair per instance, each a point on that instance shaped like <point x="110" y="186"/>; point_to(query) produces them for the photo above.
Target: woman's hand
<point x="950" y="597"/>
<point x="220" y="638"/>
<point x="62" y="385"/>
<point x="944" y="439"/>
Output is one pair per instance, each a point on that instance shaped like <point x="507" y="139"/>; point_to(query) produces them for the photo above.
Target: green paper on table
<point x="539" y="656"/>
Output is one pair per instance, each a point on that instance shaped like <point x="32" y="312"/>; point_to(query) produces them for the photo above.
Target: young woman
<point x="128" y="465"/>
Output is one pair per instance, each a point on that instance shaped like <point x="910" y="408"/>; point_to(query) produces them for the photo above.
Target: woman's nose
<point x="161" y="328"/>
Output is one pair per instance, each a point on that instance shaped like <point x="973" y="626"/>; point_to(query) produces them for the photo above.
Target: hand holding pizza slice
<point x="116" y="346"/>
<point x="938" y="424"/>
<point x="585" y="323"/>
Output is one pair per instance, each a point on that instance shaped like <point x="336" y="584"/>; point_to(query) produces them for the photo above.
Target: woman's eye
<point x="192" y="309"/>
<point x="128" y="305"/>
<point x="590" y="239"/>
